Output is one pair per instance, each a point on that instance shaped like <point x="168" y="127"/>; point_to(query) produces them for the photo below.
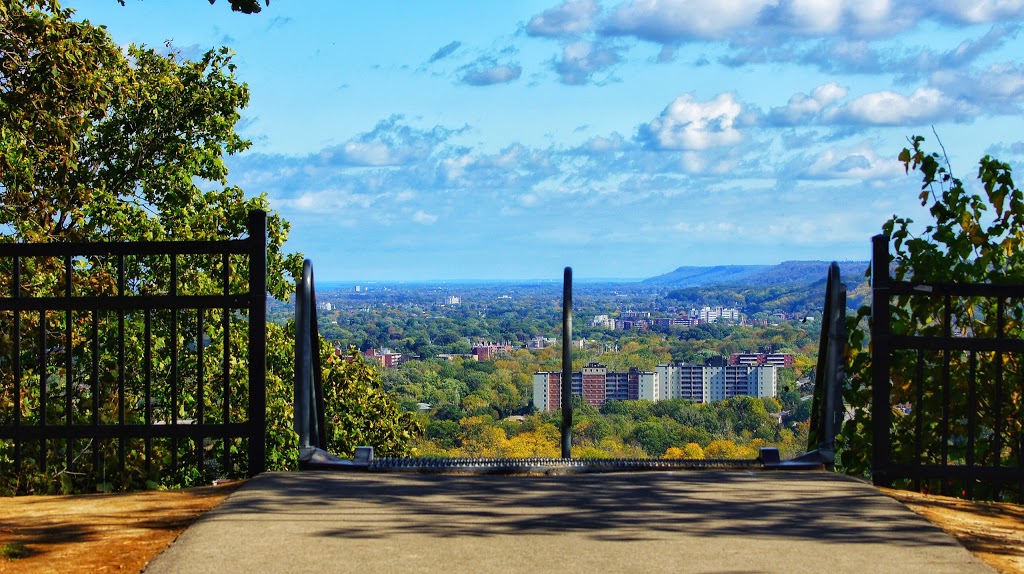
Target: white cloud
<point x="891" y="108"/>
<point x="980" y="11"/>
<point x="858" y="163"/>
<point x="687" y="124"/>
<point x="367" y="153"/>
<point x="581" y="60"/>
<point x="999" y="87"/>
<point x="604" y="145"/>
<point x="572" y="17"/>
<point x="424" y="217"/>
<point x="816" y="16"/>
<point x="824" y="17"/>
<point x="491" y="74"/>
<point x="326" y="201"/>
<point x="804" y="107"/>
<point x="671" y="21"/>
<point x="674" y="20"/>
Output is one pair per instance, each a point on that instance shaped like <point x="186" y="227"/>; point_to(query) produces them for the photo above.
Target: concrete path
<point x="686" y="521"/>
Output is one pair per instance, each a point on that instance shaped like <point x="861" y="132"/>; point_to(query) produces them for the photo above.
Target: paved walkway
<point x="686" y="521"/>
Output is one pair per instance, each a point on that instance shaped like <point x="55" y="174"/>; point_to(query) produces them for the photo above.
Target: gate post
<point x="881" y="408"/>
<point x="257" y="342"/>
<point x="567" y="363"/>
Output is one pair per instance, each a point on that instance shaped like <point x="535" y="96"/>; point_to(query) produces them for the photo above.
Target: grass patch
<point x="14" y="551"/>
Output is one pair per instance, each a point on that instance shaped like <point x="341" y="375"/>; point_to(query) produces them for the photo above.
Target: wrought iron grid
<point x="934" y="426"/>
<point x="66" y="314"/>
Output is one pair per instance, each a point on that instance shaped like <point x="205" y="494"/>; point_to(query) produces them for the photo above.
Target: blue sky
<point x="505" y="140"/>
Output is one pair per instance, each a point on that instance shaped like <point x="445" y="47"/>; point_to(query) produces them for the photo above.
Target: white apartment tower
<point x="706" y="384"/>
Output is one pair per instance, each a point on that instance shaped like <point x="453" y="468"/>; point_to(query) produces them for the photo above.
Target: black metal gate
<point x="118" y="362"/>
<point x="948" y="384"/>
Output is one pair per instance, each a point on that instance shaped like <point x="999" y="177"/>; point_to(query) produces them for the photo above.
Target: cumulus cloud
<point x="999" y="88"/>
<point x="813" y="18"/>
<point x="774" y="22"/>
<point x="391" y="142"/>
<point x="858" y="163"/>
<point x="667" y="21"/>
<point x="979" y="11"/>
<point x="687" y="124"/>
<point x="571" y="18"/>
<point x="605" y="145"/>
<point x="326" y="201"/>
<point x="802" y="108"/>
<point x="445" y="51"/>
<point x="487" y="71"/>
<point x="581" y="60"/>
<point x="894" y="109"/>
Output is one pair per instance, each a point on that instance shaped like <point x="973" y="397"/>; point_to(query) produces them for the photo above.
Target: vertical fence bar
<point x="881" y="412"/>
<point x="919" y="416"/>
<point x="998" y="430"/>
<point x="1020" y="442"/>
<point x="257" y="341"/>
<point x="69" y="366"/>
<point x="42" y="388"/>
<point x="94" y="380"/>
<point x="972" y="415"/>
<point x="226" y="359"/>
<point x="567" y="363"/>
<point x="16" y="294"/>
<point x="121" y="439"/>
<point x="947" y="332"/>
<point x="147" y="368"/>
<point x="174" y="365"/>
<point x="200" y="382"/>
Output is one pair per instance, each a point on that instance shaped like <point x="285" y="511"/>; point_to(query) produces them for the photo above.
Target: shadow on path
<point x="625" y="506"/>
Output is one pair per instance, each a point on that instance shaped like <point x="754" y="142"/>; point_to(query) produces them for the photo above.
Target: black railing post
<point x="881" y="408"/>
<point x="567" y="364"/>
<point x="257" y="341"/>
<point x="309" y="402"/>
<point x="827" y="409"/>
<point x="302" y="358"/>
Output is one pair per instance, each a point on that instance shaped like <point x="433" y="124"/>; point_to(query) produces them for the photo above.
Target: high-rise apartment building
<point x="699" y="383"/>
<point x="595" y="384"/>
<point x="705" y="384"/>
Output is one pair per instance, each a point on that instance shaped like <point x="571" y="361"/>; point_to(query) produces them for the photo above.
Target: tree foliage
<point x="972" y="237"/>
<point x="98" y="144"/>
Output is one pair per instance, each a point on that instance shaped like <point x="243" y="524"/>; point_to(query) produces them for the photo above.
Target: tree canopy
<point x="100" y="143"/>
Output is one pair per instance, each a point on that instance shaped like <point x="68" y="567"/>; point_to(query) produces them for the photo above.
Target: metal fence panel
<point x="112" y="375"/>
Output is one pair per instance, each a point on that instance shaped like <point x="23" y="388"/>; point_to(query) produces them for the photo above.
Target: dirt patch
<point x="98" y="532"/>
<point x="123" y="532"/>
<point x="994" y="532"/>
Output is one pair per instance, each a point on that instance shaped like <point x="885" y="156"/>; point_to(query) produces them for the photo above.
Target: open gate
<point x="948" y="392"/>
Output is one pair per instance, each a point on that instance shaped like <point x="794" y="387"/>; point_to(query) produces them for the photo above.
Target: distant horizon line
<point x="575" y="279"/>
<point x="324" y="282"/>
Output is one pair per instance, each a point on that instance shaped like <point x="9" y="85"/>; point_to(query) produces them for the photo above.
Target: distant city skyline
<point x="453" y="140"/>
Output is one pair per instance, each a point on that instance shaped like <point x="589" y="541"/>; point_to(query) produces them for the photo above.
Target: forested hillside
<point x="792" y="273"/>
<point x="796" y="288"/>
